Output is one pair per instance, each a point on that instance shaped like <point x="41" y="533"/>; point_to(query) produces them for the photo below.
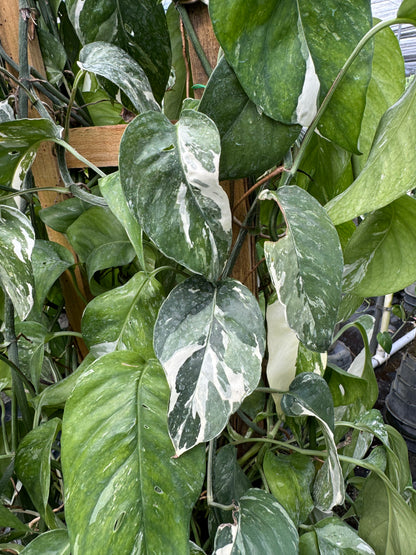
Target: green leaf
<point x="113" y="63"/>
<point x="251" y="142"/>
<point x="307" y="279"/>
<point x="309" y="395"/>
<point x="110" y="187"/>
<point x="49" y="261"/>
<point x="53" y="54"/>
<point x="390" y="169"/>
<point x="9" y="520"/>
<point x="407" y="9"/>
<point x="210" y="341"/>
<point x="143" y="499"/>
<point x="383" y="240"/>
<point x="19" y="140"/>
<point x="123" y="318"/>
<point x="285" y="38"/>
<point x="262" y="526"/>
<point x="139" y="28"/>
<point x="334" y="536"/>
<point x="61" y="215"/>
<point x="17" y="239"/>
<point x="283" y="347"/>
<point x="385" y="341"/>
<point x="33" y="466"/>
<point x="54" y="542"/>
<point x="176" y="93"/>
<point x="387" y="523"/>
<point x="178" y="200"/>
<point x="386" y="86"/>
<point x="290" y="478"/>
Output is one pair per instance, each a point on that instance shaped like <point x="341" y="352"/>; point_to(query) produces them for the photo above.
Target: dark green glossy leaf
<point x="54" y="542"/>
<point x="143" y="499"/>
<point x="139" y="28"/>
<point x="123" y="318"/>
<point x="386" y="85"/>
<point x="307" y="279"/>
<point x="31" y="344"/>
<point x="19" y="141"/>
<point x="113" y="63"/>
<point x="407" y="9"/>
<point x="280" y="56"/>
<point x="175" y="94"/>
<point x="387" y="523"/>
<point x="17" y="239"/>
<point x="309" y="395"/>
<point x="49" y="261"/>
<point x="9" y="520"/>
<point x="262" y="526"/>
<point x="33" y="466"/>
<point x="383" y="240"/>
<point x="390" y="169"/>
<point x="335" y="536"/>
<point x="290" y="479"/>
<point x="251" y="142"/>
<point x="385" y="341"/>
<point x="53" y="54"/>
<point x="61" y="215"/>
<point x="210" y="341"/>
<point x="177" y="199"/>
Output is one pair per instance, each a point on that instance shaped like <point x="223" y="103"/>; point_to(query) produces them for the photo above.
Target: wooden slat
<point x="99" y="145"/>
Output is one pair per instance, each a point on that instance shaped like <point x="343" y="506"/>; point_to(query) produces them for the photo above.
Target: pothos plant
<point x="135" y="449"/>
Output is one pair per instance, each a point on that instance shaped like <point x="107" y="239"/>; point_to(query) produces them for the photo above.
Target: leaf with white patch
<point x="125" y="492"/>
<point x="169" y="175"/>
<point x="261" y="526"/>
<point x="17" y="239"/>
<point x="139" y="28"/>
<point x="306" y="267"/>
<point x="309" y="395"/>
<point x="292" y="39"/>
<point x="390" y="168"/>
<point x="113" y="63"/>
<point x="210" y="341"/>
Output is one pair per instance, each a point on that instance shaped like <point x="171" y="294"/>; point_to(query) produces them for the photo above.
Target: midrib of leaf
<point x="139" y="453"/>
<point x="133" y="304"/>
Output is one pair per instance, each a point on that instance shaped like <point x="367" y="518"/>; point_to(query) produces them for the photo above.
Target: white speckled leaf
<point x="306" y="267"/>
<point x="390" y="169"/>
<point x="210" y="341"/>
<point x="261" y="525"/>
<point x="309" y="395"/>
<point x="17" y="239"/>
<point x="169" y="174"/>
<point x="125" y="492"/>
<point x="117" y="66"/>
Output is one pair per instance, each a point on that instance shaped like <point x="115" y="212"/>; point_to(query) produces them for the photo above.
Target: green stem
<point x="309" y="134"/>
<point x="71" y="102"/>
<point x="3" y="427"/>
<point x="194" y="39"/>
<point x="34" y="190"/>
<point x="24" y="12"/>
<point x="37" y="104"/>
<point x="72" y="150"/>
<point x="250" y="423"/>
<point x="210" y="494"/>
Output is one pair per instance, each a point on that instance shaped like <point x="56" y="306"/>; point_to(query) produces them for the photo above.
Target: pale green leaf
<point x="54" y="542"/>
<point x="123" y="318"/>
<point x="17" y="239"/>
<point x="262" y="526"/>
<point x="335" y="536"/>
<point x="61" y="215"/>
<point x="143" y="499"/>
<point x="280" y="56"/>
<point x="383" y="240"/>
<point x="31" y="345"/>
<point x="251" y="142"/>
<point x="306" y="266"/>
<point x="113" y="63"/>
<point x="177" y="199"/>
<point x="10" y="520"/>
<point x="210" y="341"/>
<point x="138" y="28"/>
<point x="390" y="169"/>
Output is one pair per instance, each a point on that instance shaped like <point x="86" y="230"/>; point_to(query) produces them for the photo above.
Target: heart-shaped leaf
<point x="280" y="56"/>
<point x="144" y="496"/>
<point x="306" y="267"/>
<point x="210" y="341"/>
<point x="262" y="526"/>
<point x="139" y="28"/>
<point x="17" y="239"/>
<point x="130" y="327"/>
<point x="169" y="174"/>
<point x="113" y="63"/>
<point x="251" y="142"/>
<point x="390" y="169"/>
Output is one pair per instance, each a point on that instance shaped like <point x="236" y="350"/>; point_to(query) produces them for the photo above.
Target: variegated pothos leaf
<point x="210" y="341"/>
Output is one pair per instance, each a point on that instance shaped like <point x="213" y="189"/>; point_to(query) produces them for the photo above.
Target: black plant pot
<point x="401" y="401"/>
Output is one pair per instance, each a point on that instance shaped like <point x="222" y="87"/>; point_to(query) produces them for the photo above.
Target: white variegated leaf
<point x="17" y="239"/>
<point x="210" y="341"/>
<point x="169" y="174"/>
